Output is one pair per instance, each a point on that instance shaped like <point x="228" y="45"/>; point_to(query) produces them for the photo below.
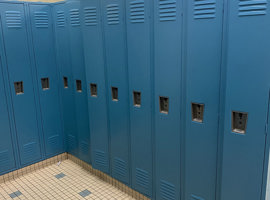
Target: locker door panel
<point x="7" y="157"/>
<point x="47" y="76"/>
<point x="66" y="78"/>
<point x="95" y="75"/>
<point x="167" y="53"/>
<point x="115" y="49"/>
<point x="139" y="67"/>
<point x="78" y="70"/>
<point x="19" y="68"/>
<point x="203" y="61"/>
<point x="246" y="99"/>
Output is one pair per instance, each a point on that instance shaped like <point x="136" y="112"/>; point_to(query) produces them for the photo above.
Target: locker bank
<point x="135" y="99"/>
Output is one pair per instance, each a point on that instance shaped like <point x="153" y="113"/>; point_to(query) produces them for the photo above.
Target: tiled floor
<point x="66" y="181"/>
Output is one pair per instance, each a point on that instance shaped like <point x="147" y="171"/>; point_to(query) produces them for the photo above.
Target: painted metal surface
<point x="95" y="75"/>
<point x="46" y="69"/>
<point x="113" y="12"/>
<point x="203" y="38"/>
<point x="78" y="70"/>
<point x="247" y="90"/>
<point x="16" y="58"/>
<point x="65" y="71"/>
<point x="139" y="37"/>
<point x="167" y="75"/>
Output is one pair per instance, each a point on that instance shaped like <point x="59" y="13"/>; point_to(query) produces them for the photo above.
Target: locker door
<point x="7" y="142"/>
<point x="66" y="78"/>
<point x="17" y="61"/>
<point x="247" y="93"/>
<point x="140" y="90"/>
<point x="203" y="60"/>
<point x="47" y="77"/>
<point x="78" y="70"/>
<point x="167" y="75"/>
<point x="115" y="48"/>
<point x="96" y="83"/>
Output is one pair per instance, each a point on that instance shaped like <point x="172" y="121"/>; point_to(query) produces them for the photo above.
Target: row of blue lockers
<point x="174" y="94"/>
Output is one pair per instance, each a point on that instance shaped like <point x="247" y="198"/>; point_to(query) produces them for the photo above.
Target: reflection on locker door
<point x="167" y="53"/>
<point x="246" y="99"/>
<point x="96" y="83"/>
<point x="47" y="77"/>
<point x="139" y="68"/>
<point x="203" y="61"/>
<point x="115" y="47"/>
<point x="8" y="141"/>
<point x="21" y="81"/>
<point x="78" y="69"/>
<point x="66" y="78"/>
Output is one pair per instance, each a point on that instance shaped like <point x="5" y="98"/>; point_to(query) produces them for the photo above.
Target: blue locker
<point x="139" y="32"/>
<point x="47" y="77"/>
<point x="247" y="92"/>
<point x="202" y="62"/>
<point x="117" y="76"/>
<point x="21" y="81"/>
<point x="96" y="83"/>
<point x="78" y="70"/>
<point x="7" y="142"/>
<point x="66" y="78"/>
<point x="167" y="89"/>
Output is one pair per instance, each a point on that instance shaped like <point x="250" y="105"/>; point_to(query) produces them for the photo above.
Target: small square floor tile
<point x="61" y="175"/>
<point x="85" y="193"/>
<point x="15" y="194"/>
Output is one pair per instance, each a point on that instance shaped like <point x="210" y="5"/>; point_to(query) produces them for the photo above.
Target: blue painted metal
<point x="113" y="12"/>
<point x="65" y="70"/>
<point x="78" y="70"/>
<point x="43" y="46"/>
<point x="167" y="43"/>
<point x="95" y="74"/>
<point x="247" y="91"/>
<point x="7" y="155"/>
<point x="17" y="60"/>
<point x="138" y="19"/>
<point x="203" y="38"/>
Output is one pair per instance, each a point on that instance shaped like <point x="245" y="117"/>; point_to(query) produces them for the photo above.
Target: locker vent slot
<point x="120" y="167"/>
<point x="30" y="150"/>
<point x="14" y="19"/>
<point x="4" y="159"/>
<point x="90" y="16"/>
<point x="194" y="197"/>
<point x="74" y="17"/>
<point x="93" y="89"/>
<point x="41" y="19"/>
<point x="137" y="99"/>
<point x="71" y="142"/>
<point x="114" y="93"/>
<point x="45" y="83"/>
<point x="65" y="80"/>
<point x="197" y="112"/>
<point x="167" y="10"/>
<point x="100" y="158"/>
<point x="164" y="105"/>
<point x="204" y="9"/>
<point x="18" y="87"/>
<point x="84" y="147"/>
<point x="167" y="190"/>
<point x="137" y="11"/>
<point x="239" y="122"/>
<point x="53" y="141"/>
<point x="79" y="85"/>
<point x="112" y="14"/>
<point x="142" y="178"/>
<point x="60" y="19"/>
<point x="252" y="7"/>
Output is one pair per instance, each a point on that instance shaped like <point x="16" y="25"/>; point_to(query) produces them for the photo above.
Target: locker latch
<point x="65" y="79"/>
<point x="79" y="85"/>
<point x="18" y="87"/>
<point x="93" y="89"/>
<point x="197" y="112"/>
<point x="164" y="105"/>
<point x="114" y="93"/>
<point x="45" y="83"/>
<point x="239" y="122"/>
<point x="137" y="98"/>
